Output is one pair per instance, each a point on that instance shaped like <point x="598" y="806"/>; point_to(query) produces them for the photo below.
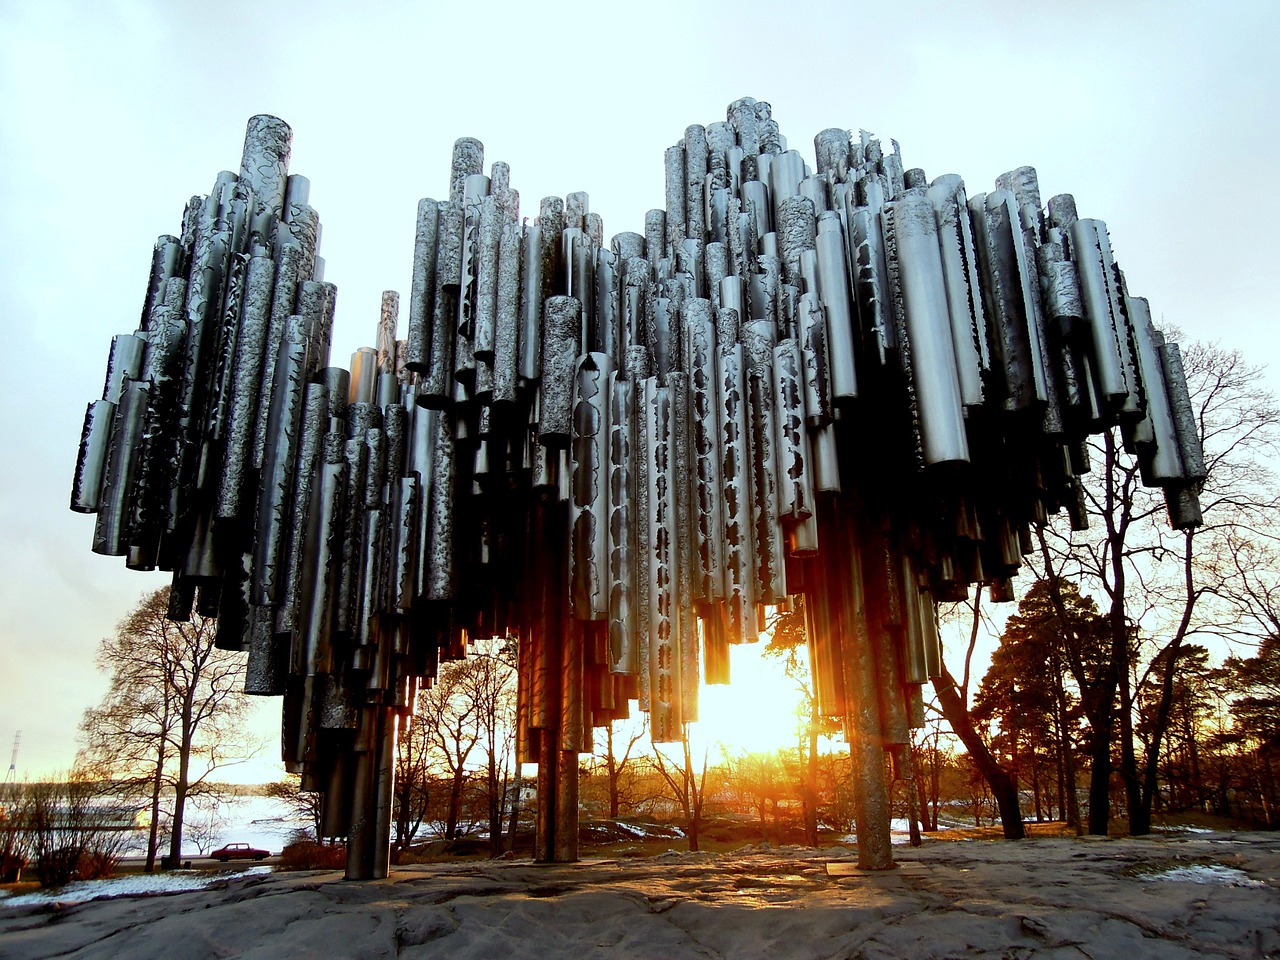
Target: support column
<point x="863" y="725"/>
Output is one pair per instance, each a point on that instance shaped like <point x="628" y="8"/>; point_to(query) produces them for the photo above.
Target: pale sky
<point x="1159" y="116"/>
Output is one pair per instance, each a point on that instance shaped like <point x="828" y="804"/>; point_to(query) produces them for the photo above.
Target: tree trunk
<point x="515" y="810"/>
<point x="1002" y="785"/>
<point x="495" y="808"/>
<point x="693" y="798"/>
<point x="180" y="787"/>
<point x="611" y="767"/>
<point x="811" y="781"/>
<point x="1100" y="776"/>
<point x="153" y="834"/>
<point x="455" y="807"/>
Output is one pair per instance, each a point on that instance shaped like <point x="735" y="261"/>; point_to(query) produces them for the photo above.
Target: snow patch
<point x="1207" y="873"/>
<point x="135" y="885"/>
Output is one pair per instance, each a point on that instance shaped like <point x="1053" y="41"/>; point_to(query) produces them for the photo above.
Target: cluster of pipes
<point x="849" y="383"/>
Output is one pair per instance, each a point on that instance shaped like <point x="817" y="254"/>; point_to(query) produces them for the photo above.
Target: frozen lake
<point x="258" y="821"/>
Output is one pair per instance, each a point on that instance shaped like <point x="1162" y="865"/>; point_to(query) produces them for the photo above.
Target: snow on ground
<point x="139" y="884"/>
<point x="900" y="832"/>
<point x="638" y="830"/>
<point x="1215" y="873"/>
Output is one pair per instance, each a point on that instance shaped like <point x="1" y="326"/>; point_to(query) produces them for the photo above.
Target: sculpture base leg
<point x="556" y="840"/>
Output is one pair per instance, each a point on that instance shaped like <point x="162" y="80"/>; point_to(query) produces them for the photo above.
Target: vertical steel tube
<point x="588" y="507"/>
<point x="623" y="600"/>
<point x="506" y="345"/>
<point x="833" y="290"/>
<point x="563" y="327"/>
<point x="735" y="477"/>
<point x="436" y="387"/>
<point x="664" y="642"/>
<point x="933" y="360"/>
<point x="246" y="379"/>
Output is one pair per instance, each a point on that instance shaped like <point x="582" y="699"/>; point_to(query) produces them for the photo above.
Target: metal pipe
<point x="664" y="641"/>
<point x="622" y="503"/>
<point x="561" y="333"/>
<point x="588" y="508"/>
<point x="735" y="477"/>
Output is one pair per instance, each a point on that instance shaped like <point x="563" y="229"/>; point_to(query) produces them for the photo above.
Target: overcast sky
<point x="1159" y="116"/>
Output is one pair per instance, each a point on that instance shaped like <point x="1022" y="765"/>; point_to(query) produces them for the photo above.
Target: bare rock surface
<point x="1165" y="897"/>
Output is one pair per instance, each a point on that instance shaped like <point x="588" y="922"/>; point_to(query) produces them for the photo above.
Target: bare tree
<point x="451" y="732"/>
<point x="171" y="716"/>
<point x="619" y="765"/>
<point x="953" y="701"/>
<point x="1164" y="586"/>
<point x="490" y="682"/>
<point x="688" y="786"/>
<point x="411" y="803"/>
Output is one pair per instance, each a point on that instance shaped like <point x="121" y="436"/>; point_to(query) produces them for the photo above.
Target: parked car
<point x="239" y="851"/>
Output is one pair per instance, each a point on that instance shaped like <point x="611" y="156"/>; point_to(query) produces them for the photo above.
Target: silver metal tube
<point x="109" y="537"/>
<point x="364" y="376"/>
<point x="759" y="340"/>
<point x="506" y="344"/>
<point x="468" y="160"/>
<point x="735" y="477"/>
<point x="866" y="240"/>
<point x="489" y="240"/>
<point x="313" y="636"/>
<point x="833" y="289"/>
<point x="91" y="461"/>
<point x="655" y="228"/>
<point x="797" y="231"/>
<point x="350" y="533"/>
<point x="166" y="262"/>
<point x="623" y="504"/>
<point x="439" y="504"/>
<point x="124" y="363"/>
<point x="588" y="506"/>
<point x="276" y="483"/>
<point x="464" y="360"/>
<point x="673" y="161"/>
<point x="795" y="473"/>
<point x="423" y="287"/>
<point x="704" y="408"/>
<point x="831" y="151"/>
<point x="283" y="302"/>
<point x="687" y="621"/>
<point x="435" y="389"/>
<point x="812" y="333"/>
<point x="530" y="363"/>
<point x="264" y="167"/>
<point x="1184" y="415"/>
<point x="964" y="295"/>
<point x="1161" y="453"/>
<point x="246" y="380"/>
<point x="786" y="170"/>
<point x="933" y="362"/>
<point x="293" y="550"/>
<point x="420" y="458"/>
<point x="562" y="330"/>
<point x="695" y="171"/>
<point x="1092" y="255"/>
<point x="406" y="551"/>
<point x="664" y="624"/>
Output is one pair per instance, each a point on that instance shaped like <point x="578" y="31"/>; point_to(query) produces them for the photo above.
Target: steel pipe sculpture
<point x="849" y="383"/>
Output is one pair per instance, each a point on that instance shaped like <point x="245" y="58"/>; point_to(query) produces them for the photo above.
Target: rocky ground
<point x="1203" y="895"/>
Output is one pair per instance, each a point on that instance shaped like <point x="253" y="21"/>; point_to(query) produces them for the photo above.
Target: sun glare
<point x="759" y="711"/>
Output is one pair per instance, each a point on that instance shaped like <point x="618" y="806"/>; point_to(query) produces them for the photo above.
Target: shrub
<point x="309" y="855"/>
